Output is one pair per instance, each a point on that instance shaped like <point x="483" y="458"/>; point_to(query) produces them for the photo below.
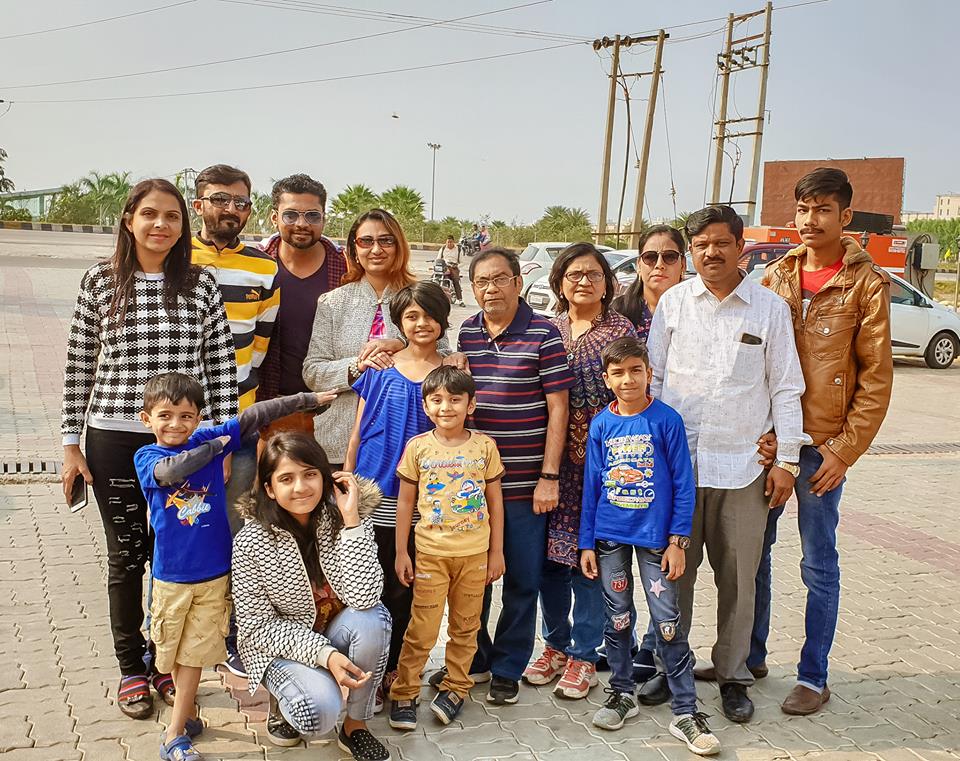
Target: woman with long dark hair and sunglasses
<point x="145" y="311"/>
<point x="583" y="283"/>
<point x="660" y="266"/>
<point x="306" y="586"/>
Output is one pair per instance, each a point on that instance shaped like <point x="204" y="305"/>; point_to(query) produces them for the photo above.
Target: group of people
<point x="289" y="429"/>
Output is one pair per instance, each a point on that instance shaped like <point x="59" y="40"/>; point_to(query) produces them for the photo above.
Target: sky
<point x="848" y="79"/>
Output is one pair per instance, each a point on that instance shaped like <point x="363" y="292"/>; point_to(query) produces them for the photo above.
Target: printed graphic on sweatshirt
<point x="629" y="471"/>
<point x="190" y="503"/>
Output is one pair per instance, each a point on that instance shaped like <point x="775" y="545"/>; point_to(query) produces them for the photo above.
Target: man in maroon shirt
<point x="308" y="265"/>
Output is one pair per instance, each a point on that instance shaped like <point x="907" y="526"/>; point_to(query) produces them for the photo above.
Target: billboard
<point x="877" y="186"/>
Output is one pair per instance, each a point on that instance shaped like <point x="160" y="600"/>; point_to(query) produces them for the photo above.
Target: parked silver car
<point x="537" y="259"/>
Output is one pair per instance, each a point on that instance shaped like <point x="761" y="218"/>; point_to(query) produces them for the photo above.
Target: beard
<point x="305" y="241"/>
<point x="222" y="225"/>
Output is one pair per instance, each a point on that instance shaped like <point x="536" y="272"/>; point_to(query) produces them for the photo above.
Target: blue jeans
<point x="243" y="474"/>
<point x="615" y="561"/>
<point x="524" y="550"/>
<point x="558" y="584"/>
<point x="817" y="518"/>
<point x="310" y="698"/>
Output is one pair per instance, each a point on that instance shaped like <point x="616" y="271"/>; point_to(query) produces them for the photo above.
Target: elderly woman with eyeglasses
<point x="584" y="285"/>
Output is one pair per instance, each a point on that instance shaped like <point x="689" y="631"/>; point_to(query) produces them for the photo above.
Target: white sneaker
<point x="692" y="729"/>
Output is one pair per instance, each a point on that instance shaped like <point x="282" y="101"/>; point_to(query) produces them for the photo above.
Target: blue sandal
<point x="180" y="748"/>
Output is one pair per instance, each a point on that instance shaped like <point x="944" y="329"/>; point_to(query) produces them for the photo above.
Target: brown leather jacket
<point x="844" y="345"/>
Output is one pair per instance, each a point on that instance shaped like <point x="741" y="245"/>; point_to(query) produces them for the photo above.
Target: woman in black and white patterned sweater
<point x="145" y="311"/>
<point x="306" y="588"/>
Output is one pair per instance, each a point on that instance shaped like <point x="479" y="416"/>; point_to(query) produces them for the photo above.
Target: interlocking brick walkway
<point x="895" y="671"/>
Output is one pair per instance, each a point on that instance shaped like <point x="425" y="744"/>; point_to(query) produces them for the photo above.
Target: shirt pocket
<point x="748" y="358"/>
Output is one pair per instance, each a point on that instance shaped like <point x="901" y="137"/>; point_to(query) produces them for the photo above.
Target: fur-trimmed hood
<point x="370" y="497"/>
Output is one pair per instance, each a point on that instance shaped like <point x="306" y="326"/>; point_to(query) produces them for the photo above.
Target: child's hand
<point x="325" y="397"/>
<point x="458" y="360"/>
<point x="346" y="672"/>
<point x="225" y="440"/>
<point x="674" y="562"/>
<point x="496" y="566"/>
<point x="404" y="568"/>
<point x="588" y="564"/>
<point x="348" y="502"/>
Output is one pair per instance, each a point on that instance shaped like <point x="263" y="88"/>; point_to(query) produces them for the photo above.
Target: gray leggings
<point x="310" y="698"/>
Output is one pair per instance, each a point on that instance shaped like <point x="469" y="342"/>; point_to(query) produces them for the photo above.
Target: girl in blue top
<point x="389" y="414"/>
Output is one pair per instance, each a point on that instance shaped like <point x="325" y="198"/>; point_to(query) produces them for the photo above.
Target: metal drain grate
<point x="29" y="467"/>
<point x="943" y="447"/>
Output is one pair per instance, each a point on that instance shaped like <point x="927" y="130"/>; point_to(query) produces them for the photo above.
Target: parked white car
<point x="624" y="265"/>
<point x="919" y="326"/>
<point x="537" y="259"/>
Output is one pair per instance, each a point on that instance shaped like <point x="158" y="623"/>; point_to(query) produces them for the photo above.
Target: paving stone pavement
<point x="895" y="669"/>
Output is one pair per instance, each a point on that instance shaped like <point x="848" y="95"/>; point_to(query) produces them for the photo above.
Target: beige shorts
<point x="189" y="622"/>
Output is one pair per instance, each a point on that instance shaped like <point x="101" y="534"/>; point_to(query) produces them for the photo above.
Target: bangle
<point x="550" y="476"/>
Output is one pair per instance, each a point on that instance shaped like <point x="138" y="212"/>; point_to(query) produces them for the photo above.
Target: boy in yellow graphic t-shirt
<point x="453" y="475"/>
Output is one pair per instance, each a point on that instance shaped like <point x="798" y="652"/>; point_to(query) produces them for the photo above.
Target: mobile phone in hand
<point x="78" y="494"/>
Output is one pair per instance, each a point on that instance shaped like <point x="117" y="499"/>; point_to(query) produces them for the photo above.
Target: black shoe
<point x="437" y="677"/>
<point x="363" y="746"/>
<point x="503" y="690"/>
<point x="446" y="705"/>
<point x="280" y="732"/>
<point x="234" y="665"/>
<point x="655" y="691"/>
<point x="736" y="705"/>
<point x="403" y="714"/>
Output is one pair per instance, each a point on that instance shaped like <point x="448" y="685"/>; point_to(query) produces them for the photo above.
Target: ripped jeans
<point x="615" y="562"/>
<point x="123" y="511"/>
<point x="309" y="697"/>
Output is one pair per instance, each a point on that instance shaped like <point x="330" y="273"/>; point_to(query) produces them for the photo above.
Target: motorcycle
<point x="443" y="276"/>
<point x="469" y="246"/>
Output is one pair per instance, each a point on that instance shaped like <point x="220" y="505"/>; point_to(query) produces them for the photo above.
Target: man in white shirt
<point x="450" y="253"/>
<point x="723" y="355"/>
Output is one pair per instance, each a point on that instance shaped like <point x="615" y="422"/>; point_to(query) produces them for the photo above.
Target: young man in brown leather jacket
<point x="840" y="304"/>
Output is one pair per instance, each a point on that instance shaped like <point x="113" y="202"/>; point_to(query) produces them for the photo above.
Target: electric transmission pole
<point x="433" y="181"/>
<point x="752" y="51"/>
<point x="647" y="136"/>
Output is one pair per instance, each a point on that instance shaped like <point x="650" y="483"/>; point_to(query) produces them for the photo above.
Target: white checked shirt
<point x="729" y="391"/>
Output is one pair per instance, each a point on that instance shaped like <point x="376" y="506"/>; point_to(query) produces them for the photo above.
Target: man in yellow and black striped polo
<point x="246" y="277"/>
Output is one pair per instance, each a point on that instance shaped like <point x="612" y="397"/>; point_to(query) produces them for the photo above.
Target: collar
<point x="235" y="245"/>
<point x="742" y="291"/>
<point x="518" y="325"/>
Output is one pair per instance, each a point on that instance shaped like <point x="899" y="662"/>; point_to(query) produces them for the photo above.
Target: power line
<point x="95" y="21"/>
<point x="269" y="54"/>
<point x="304" y="81"/>
<point x="307" y="6"/>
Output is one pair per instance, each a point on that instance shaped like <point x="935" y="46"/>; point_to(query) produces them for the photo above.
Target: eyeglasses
<point x="501" y="281"/>
<point x="291" y="217"/>
<point x="650" y="258"/>
<point x="576" y="277"/>
<point x="222" y="201"/>
<point x="384" y="241"/>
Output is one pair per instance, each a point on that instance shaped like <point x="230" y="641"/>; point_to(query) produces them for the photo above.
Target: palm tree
<point x="6" y="184"/>
<point x="353" y="201"/>
<point x="107" y="194"/>
<point x="406" y="204"/>
<point x="260" y="212"/>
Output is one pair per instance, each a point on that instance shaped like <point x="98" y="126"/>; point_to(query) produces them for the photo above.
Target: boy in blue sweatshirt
<point x="638" y="497"/>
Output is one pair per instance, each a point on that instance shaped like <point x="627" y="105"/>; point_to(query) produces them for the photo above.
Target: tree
<point x="407" y="205"/>
<point x="107" y="192"/>
<point x="73" y="206"/>
<point x="260" y="213"/>
<point x="563" y="224"/>
<point x="6" y="184"/>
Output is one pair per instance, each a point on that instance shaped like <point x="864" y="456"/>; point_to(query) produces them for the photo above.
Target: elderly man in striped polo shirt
<point x="519" y="364"/>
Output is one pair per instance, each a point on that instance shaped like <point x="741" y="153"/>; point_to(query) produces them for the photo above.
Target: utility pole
<point x="647" y="136"/>
<point x="752" y="51"/>
<point x="433" y="182"/>
<point x="608" y="139"/>
<point x="615" y="76"/>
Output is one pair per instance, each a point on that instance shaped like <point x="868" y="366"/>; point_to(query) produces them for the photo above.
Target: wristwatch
<point x="683" y="542"/>
<point x="550" y="476"/>
<point x="792" y="468"/>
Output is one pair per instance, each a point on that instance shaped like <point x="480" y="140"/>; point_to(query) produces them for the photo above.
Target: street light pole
<point x="433" y="182"/>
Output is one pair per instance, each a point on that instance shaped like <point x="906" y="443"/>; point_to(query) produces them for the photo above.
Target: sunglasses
<point x="223" y="200"/>
<point x="384" y="241"/>
<point x="291" y="217"/>
<point x="650" y="258"/>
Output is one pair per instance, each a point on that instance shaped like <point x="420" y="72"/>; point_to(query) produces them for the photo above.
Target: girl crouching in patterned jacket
<point x="306" y="588"/>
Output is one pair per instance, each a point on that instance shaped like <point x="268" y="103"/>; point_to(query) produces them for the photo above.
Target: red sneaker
<point x="578" y="677"/>
<point x="546" y="668"/>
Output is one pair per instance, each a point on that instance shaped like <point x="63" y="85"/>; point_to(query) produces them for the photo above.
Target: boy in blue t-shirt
<point x="182" y="478"/>
<point x="638" y="497"/>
